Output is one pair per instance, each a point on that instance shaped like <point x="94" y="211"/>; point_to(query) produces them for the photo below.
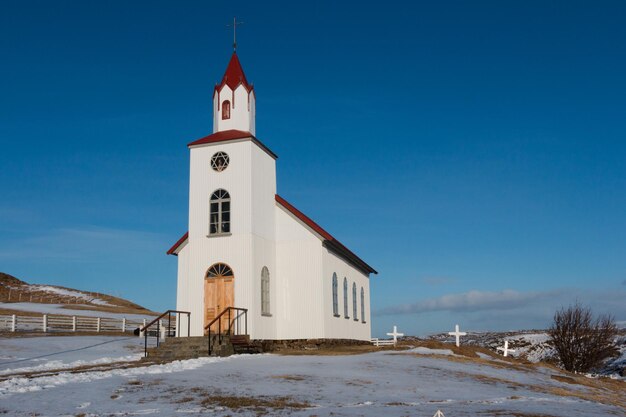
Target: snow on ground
<point x="532" y="346"/>
<point x="427" y="351"/>
<point x="67" y="293"/>
<point x="59" y="309"/>
<point x="31" y="354"/>
<point x="375" y="384"/>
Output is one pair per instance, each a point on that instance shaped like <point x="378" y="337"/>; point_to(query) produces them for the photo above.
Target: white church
<point x="247" y="247"/>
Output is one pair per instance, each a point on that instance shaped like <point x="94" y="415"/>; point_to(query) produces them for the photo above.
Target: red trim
<point x="178" y="244"/>
<point x="232" y="134"/>
<point x="318" y="229"/>
<point x="334" y="243"/>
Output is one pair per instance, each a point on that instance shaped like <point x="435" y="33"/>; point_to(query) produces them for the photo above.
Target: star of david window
<point x="219" y="161"/>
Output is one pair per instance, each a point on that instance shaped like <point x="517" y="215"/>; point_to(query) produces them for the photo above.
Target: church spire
<point x="234" y="100"/>
<point x="234" y="75"/>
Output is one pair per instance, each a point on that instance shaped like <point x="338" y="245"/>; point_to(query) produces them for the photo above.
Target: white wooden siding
<point x="263" y="233"/>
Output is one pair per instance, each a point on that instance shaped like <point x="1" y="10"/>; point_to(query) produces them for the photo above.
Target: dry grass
<point x="257" y="403"/>
<point x="339" y="350"/>
<point x="82" y="369"/>
<point x="290" y="377"/>
<point x="184" y="400"/>
<point x="604" y="391"/>
<point x="600" y="390"/>
<point x="469" y="354"/>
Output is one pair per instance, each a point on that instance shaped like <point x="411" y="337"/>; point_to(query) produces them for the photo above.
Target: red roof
<point x="330" y="242"/>
<point x="234" y="75"/>
<point x="304" y="218"/>
<point x="223" y="136"/>
<point x="177" y="244"/>
<point x="232" y="134"/>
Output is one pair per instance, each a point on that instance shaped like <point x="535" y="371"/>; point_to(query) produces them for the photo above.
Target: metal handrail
<point x="239" y="312"/>
<point x="168" y="313"/>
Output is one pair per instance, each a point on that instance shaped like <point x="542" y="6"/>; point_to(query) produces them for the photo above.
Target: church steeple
<point x="234" y="100"/>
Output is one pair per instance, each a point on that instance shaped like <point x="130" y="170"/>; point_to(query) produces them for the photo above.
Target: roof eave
<point x="347" y="255"/>
<point x="175" y="249"/>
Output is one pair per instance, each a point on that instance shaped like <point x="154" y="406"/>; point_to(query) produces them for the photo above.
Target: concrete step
<point x="175" y="348"/>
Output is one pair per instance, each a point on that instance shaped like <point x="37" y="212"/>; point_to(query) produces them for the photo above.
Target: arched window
<point x="265" y="291"/>
<point x="225" y="110"/>
<point x="362" y="305"/>
<point x="219" y="220"/>
<point x="354" y="313"/>
<point x="335" y="296"/>
<point x="345" y="298"/>
<point x="218" y="271"/>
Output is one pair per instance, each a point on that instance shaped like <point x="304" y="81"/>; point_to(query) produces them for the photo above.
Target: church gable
<point x="328" y="241"/>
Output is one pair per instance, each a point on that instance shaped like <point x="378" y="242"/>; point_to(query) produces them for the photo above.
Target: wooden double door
<point x="219" y="293"/>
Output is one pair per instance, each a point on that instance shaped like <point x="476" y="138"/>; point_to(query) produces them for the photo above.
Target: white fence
<point x="383" y="342"/>
<point x="58" y="323"/>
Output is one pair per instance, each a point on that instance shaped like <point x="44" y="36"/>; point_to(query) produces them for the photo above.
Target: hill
<point x="20" y="297"/>
<point x="534" y="346"/>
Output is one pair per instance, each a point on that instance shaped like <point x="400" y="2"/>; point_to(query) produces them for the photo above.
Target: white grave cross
<point x="457" y="334"/>
<point x="506" y="349"/>
<point x="395" y="334"/>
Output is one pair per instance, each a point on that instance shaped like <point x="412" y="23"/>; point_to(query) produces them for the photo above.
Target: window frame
<point x="220" y="197"/>
<point x="265" y="292"/>
<point x="362" y="305"/>
<point x="220" y="156"/>
<point x="354" y="303"/>
<point x="226" y="109"/>
<point x="335" y="285"/>
<point x="346" y="314"/>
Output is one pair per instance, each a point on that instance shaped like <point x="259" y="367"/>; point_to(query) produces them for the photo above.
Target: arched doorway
<point x="219" y="293"/>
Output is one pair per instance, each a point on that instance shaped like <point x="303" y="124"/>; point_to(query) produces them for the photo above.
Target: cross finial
<point x="234" y="25"/>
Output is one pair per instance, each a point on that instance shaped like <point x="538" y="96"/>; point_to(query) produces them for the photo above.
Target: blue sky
<point x="472" y="152"/>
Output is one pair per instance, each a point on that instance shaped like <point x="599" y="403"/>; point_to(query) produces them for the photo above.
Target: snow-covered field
<point x="61" y="309"/>
<point x="375" y="384"/>
<point x="31" y="354"/>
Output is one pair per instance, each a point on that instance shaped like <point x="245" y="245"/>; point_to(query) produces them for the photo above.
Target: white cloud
<point x="510" y="300"/>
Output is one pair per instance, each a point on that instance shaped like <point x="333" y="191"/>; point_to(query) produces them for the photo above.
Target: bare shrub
<point x="582" y="342"/>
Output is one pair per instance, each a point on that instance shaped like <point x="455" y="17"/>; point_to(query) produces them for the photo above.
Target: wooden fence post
<point x="73" y="323"/>
<point x="123" y="324"/>
<point x="13" y="322"/>
<point x="45" y="323"/>
<point x="98" y="328"/>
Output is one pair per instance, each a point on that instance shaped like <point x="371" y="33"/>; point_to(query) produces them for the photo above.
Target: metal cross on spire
<point x="234" y="26"/>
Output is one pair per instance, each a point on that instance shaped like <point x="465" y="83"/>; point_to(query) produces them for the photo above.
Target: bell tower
<point x="234" y="106"/>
